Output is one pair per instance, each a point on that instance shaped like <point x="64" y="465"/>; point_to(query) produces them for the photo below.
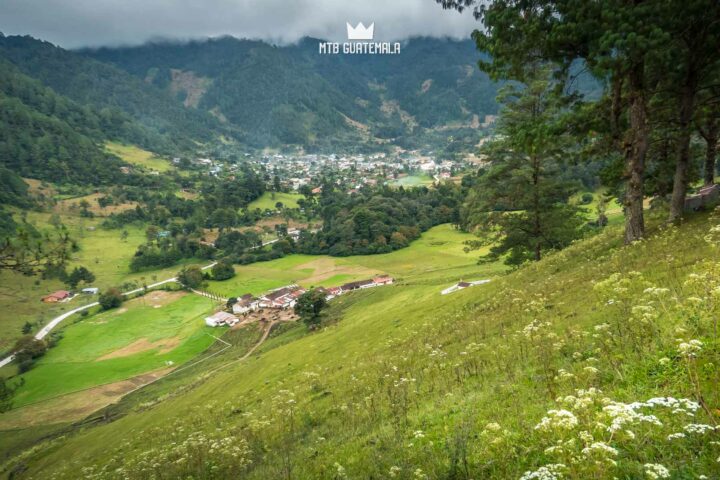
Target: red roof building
<point x="56" y="296"/>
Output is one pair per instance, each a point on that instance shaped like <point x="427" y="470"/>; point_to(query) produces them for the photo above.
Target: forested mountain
<point x="46" y="136"/>
<point x="164" y="125"/>
<point x="292" y="94"/>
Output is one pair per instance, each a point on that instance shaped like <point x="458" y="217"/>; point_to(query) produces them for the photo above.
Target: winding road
<point x="42" y="333"/>
<point x="57" y="320"/>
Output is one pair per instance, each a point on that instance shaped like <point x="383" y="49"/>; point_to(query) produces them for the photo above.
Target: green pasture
<point x="413" y="180"/>
<point x="137" y="156"/>
<point x="268" y="200"/>
<point x="437" y="257"/>
<point x="75" y="362"/>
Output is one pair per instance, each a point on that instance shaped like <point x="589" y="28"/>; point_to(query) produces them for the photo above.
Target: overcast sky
<point x="79" y="23"/>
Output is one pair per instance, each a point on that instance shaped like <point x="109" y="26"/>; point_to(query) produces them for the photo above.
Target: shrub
<point x="111" y="298"/>
<point x="223" y="270"/>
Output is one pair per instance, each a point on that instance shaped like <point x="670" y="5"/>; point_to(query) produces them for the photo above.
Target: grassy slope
<point x="74" y="363"/>
<point x="269" y="199"/>
<point x="411" y="379"/>
<point x="437" y="257"/>
<point x="137" y="156"/>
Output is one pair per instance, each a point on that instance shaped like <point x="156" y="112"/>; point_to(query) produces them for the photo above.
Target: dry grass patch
<point x="77" y="405"/>
<point x="326" y="267"/>
<point x="142" y="345"/>
<point x="71" y="206"/>
<point x="160" y="298"/>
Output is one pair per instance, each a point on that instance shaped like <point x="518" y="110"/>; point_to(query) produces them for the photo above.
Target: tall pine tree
<point x="522" y="197"/>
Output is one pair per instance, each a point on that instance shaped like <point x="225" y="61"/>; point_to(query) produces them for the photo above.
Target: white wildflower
<point x="690" y="349"/>
<point x="562" y="419"/>
<point x="699" y="428"/>
<point x="551" y="471"/>
<point x="655" y="471"/>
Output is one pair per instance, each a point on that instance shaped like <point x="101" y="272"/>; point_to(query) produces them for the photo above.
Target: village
<point x="295" y="171"/>
<point x="281" y="301"/>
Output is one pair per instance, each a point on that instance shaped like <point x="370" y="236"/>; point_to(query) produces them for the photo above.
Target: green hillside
<point x="595" y="362"/>
<point x="166" y="125"/>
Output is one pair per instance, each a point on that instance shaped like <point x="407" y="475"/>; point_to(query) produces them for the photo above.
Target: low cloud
<point x="82" y="23"/>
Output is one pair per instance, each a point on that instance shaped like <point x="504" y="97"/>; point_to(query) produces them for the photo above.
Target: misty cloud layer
<point x="79" y="23"/>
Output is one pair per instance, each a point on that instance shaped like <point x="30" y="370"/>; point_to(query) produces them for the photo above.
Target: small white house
<point x="91" y="290"/>
<point x="220" y="318"/>
<point x="462" y="286"/>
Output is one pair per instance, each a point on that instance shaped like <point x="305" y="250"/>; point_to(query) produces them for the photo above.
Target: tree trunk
<point x="635" y="152"/>
<point x="616" y="109"/>
<point x="711" y="138"/>
<point x="680" y="182"/>
<point x="536" y="208"/>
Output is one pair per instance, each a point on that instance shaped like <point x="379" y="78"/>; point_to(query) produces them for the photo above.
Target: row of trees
<point x="378" y="220"/>
<point x="659" y="64"/>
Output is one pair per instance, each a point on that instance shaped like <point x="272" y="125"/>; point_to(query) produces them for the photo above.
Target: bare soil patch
<point x="267" y="315"/>
<point x="77" y="405"/>
<point x="142" y="345"/>
<point x="160" y="298"/>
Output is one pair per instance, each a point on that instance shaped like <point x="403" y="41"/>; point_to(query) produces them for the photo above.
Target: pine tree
<point x="521" y="198"/>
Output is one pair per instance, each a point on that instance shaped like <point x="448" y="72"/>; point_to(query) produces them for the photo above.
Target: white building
<point x="245" y="304"/>
<point x="220" y="318"/>
<point x="462" y="286"/>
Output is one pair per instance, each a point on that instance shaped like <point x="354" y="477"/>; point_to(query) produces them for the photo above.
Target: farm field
<point x="437" y="257"/>
<point x="142" y="336"/>
<point x="404" y="366"/>
<point x="102" y="251"/>
<point x="268" y="200"/>
<point x="137" y="156"/>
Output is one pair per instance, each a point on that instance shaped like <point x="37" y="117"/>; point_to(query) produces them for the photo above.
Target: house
<point x="706" y="197"/>
<point x="55" y="297"/>
<point x="462" y="285"/>
<point x="91" y="290"/>
<point x="245" y="304"/>
<point x="332" y="292"/>
<point x="360" y="284"/>
<point x="283" y="297"/>
<point x="220" y="318"/>
<point x="383" y="280"/>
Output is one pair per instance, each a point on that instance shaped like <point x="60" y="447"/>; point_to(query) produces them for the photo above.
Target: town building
<point x="55" y="297"/>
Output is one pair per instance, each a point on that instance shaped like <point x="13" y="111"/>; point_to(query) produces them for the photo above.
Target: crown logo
<point x="360" y="32"/>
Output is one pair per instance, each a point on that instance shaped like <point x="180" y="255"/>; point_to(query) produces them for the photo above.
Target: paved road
<point x="55" y="321"/>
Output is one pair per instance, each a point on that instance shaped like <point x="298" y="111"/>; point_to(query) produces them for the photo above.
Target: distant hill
<point x="291" y="94"/>
<point x="163" y="124"/>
